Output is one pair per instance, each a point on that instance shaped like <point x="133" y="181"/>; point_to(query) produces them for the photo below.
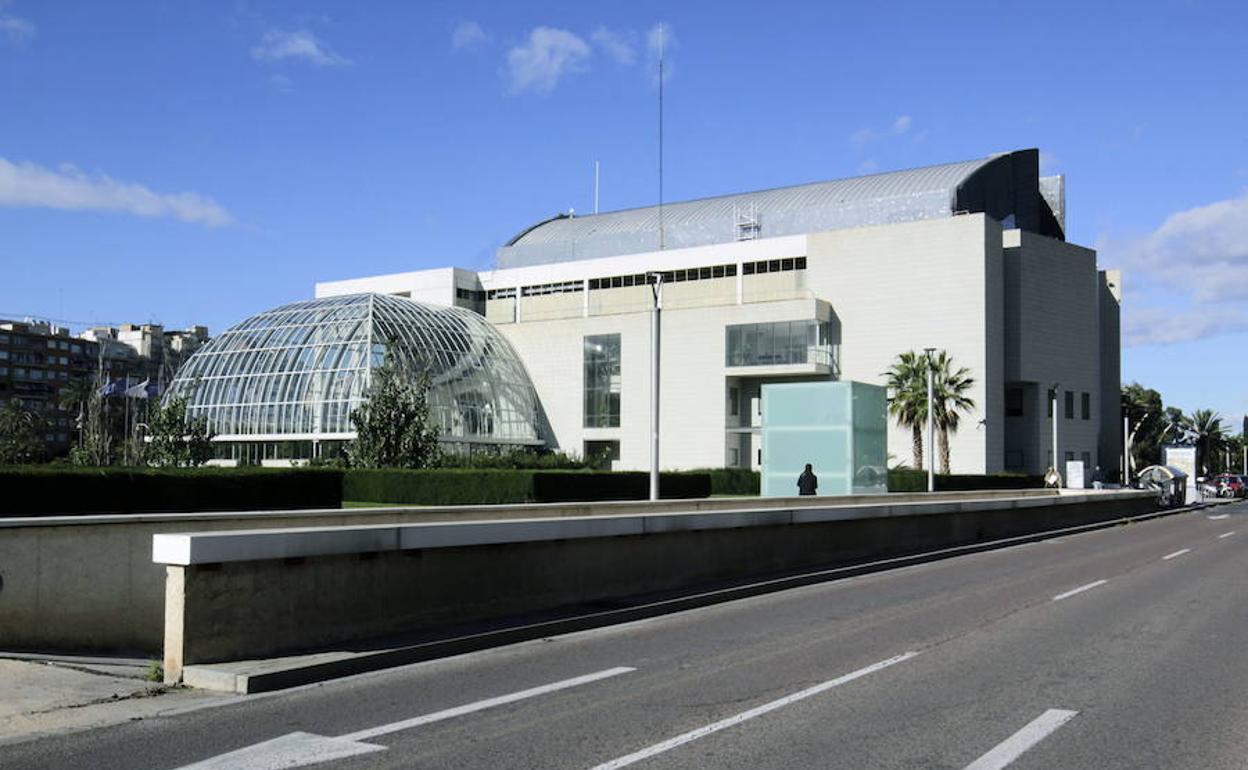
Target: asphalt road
<point x="1120" y="648"/>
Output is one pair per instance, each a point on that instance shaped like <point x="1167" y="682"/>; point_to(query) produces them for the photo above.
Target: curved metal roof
<point x="898" y="196"/>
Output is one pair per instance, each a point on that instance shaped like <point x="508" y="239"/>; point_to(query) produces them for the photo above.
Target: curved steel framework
<point x="296" y="372"/>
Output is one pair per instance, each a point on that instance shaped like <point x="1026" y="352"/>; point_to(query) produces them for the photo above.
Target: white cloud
<point x="30" y="185"/>
<point x="900" y="125"/>
<point x="14" y="28"/>
<point x="862" y="137"/>
<point x="1201" y="250"/>
<point x="617" y="45"/>
<point x="1162" y="326"/>
<point x="468" y="35"/>
<point x="300" y="44"/>
<point x="547" y="56"/>
<point x="662" y="39"/>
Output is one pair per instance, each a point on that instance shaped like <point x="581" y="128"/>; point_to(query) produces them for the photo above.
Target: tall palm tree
<point x="906" y="381"/>
<point x="949" y="388"/>
<point x="1206" y="427"/>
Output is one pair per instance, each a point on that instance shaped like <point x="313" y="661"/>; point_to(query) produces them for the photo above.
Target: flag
<point x="137" y="391"/>
<point x="113" y="388"/>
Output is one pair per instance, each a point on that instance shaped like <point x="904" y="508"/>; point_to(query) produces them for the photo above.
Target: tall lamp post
<point x="1053" y="401"/>
<point x="931" y="423"/>
<point x="656" y="291"/>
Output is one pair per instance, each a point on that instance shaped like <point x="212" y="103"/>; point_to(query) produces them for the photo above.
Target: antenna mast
<point x="662" y="240"/>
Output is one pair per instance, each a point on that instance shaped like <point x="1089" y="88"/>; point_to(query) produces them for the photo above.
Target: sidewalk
<point x="43" y="696"/>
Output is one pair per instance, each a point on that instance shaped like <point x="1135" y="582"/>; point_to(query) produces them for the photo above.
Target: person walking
<point x="1098" y="478"/>
<point x="1052" y="479"/>
<point x="808" y="482"/>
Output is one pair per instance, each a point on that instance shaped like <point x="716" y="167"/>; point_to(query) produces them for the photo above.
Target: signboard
<point x="1074" y="475"/>
<point x="1183" y="458"/>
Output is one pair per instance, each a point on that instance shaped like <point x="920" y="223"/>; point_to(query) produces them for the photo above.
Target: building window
<point x="601" y="454"/>
<point x="1070" y="405"/>
<point x="1087" y="459"/>
<point x="1013" y="402"/>
<point x="1070" y="457"/>
<point x="1085" y="403"/>
<point x="783" y="342"/>
<point x="734" y="397"/>
<point x="602" y="381"/>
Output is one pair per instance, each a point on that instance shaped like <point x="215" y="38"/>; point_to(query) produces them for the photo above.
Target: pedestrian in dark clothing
<point x="808" y="482"/>
<point x="1098" y="478"/>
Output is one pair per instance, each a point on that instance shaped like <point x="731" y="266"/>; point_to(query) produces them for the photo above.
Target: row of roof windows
<point x="641" y="279"/>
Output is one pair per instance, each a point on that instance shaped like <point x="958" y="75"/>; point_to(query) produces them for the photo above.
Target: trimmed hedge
<point x="590" y="486"/>
<point x="739" y="482"/>
<point x="465" y="486"/>
<point x="72" y="491"/>
<point x="907" y="480"/>
<point x="438" y="486"/>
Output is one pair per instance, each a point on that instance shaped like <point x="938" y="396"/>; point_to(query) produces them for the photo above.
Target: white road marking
<point x="1219" y="517"/>
<point x="438" y="716"/>
<point x="1079" y="590"/>
<point x="1032" y="733"/>
<point x="300" y="749"/>
<point x="1226" y="534"/>
<point x="1180" y="552"/>
<point x="723" y="724"/>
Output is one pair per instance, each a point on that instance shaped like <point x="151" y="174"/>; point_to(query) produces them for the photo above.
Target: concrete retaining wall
<point x="87" y="583"/>
<point x="237" y="596"/>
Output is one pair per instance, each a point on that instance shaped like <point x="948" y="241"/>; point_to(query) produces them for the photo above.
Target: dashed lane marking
<point x="1004" y="753"/>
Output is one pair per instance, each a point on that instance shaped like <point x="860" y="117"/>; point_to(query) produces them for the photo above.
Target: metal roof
<point x="877" y="199"/>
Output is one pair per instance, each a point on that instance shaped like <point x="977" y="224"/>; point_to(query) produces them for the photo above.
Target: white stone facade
<point x="1019" y="310"/>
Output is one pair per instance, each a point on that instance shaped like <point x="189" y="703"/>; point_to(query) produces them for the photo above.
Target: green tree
<point x="1206" y="428"/>
<point x="949" y="399"/>
<point x="21" y="433"/>
<point x="906" y="381"/>
<point x="177" y="440"/>
<point x="1148" y="420"/>
<point x="392" y="426"/>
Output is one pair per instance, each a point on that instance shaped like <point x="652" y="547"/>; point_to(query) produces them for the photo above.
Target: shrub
<point x="467" y="486"/>
<point x="52" y="490"/>
<point x="907" y="480"/>
<point x="732" y="481"/>
<point x="440" y="486"/>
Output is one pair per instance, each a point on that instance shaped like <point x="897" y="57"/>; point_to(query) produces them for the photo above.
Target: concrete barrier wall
<point x="237" y="596"/>
<point x="87" y="583"/>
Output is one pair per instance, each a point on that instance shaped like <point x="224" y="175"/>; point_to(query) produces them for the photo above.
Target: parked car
<point x="1229" y="485"/>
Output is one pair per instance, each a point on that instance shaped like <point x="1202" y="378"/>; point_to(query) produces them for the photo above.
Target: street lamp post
<point x="1053" y="401"/>
<point x="656" y="290"/>
<point x="931" y="423"/>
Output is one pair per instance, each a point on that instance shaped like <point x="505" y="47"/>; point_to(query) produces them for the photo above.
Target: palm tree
<point x="907" y="400"/>
<point x="949" y="387"/>
<point x="1206" y="427"/>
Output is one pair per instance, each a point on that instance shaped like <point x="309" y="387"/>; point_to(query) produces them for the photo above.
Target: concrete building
<point x="150" y="351"/>
<point x="38" y="360"/>
<point x="825" y="280"/>
<point x="819" y="281"/>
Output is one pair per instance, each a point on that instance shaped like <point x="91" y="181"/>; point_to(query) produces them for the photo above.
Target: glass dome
<point x="296" y="372"/>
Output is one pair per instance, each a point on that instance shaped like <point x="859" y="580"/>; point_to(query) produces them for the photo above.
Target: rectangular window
<point x="1070" y="405"/>
<point x="1070" y="457"/>
<point x="1087" y="460"/>
<point x="734" y="398"/>
<point x="1013" y="402"/>
<point x="602" y="453"/>
<point x="1085" y="404"/>
<point x="602" y="381"/>
<point x="778" y="343"/>
<point x="1052" y="396"/>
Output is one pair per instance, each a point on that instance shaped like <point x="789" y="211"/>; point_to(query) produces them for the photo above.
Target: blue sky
<point x="196" y="162"/>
